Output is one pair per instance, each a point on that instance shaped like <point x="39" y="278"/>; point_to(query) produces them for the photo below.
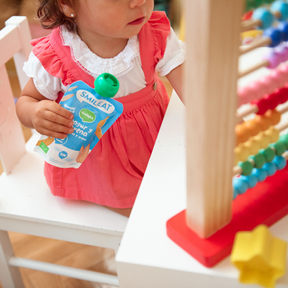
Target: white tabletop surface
<point x="147" y="258"/>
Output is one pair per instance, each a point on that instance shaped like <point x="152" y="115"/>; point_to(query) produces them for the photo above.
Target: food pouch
<point x="94" y="113"/>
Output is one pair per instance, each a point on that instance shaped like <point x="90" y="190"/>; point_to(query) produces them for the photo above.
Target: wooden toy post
<point x="210" y="98"/>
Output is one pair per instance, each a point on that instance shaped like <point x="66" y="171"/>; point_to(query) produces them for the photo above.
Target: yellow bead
<point x="263" y="139"/>
<point x="273" y="133"/>
<point x="241" y="153"/>
<point x="252" y="145"/>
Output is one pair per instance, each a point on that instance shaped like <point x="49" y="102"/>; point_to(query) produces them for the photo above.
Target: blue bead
<point x="282" y="7"/>
<point x="275" y="35"/>
<point x="240" y="185"/>
<point x="235" y="192"/>
<point x="251" y="180"/>
<point x="260" y="173"/>
<point x="280" y="162"/>
<point x="270" y="168"/>
<point x="283" y="27"/>
<point x="265" y="16"/>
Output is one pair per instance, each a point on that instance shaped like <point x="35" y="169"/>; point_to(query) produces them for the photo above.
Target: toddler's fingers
<point x="57" y="109"/>
<point x="55" y="127"/>
<point x="58" y="119"/>
<point x="53" y="134"/>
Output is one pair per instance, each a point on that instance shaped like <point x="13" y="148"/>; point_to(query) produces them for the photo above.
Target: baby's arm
<point x="175" y="77"/>
<point x="45" y="116"/>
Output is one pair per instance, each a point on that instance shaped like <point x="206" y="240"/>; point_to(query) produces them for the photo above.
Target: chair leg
<point x="10" y="277"/>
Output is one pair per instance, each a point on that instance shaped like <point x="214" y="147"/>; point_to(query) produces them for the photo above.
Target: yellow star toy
<point x="260" y="257"/>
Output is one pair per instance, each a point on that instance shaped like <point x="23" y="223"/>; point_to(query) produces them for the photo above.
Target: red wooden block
<point x="266" y="203"/>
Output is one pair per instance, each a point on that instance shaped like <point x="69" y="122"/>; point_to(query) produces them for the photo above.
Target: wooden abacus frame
<point x="206" y="229"/>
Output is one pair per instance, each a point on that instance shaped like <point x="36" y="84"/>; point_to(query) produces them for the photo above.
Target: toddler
<point x="90" y="37"/>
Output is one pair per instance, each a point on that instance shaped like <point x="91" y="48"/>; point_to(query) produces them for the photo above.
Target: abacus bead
<point x="270" y="168"/>
<point x="282" y="7"/>
<point x="241" y="153"/>
<point x="257" y="90"/>
<point x="235" y="192"/>
<point x="273" y="134"/>
<point x="283" y="95"/>
<point x="275" y="35"/>
<point x="244" y="95"/>
<point x="246" y="167"/>
<point x="262" y="105"/>
<point x="267" y="1"/>
<point x="240" y="185"/>
<point x="270" y="84"/>
<point x="258" y="159"/>
<point x="263" y="140"/>
<point x="261" y="174"/>
<point x="263" y="121"/>
<point x="265" y="16"/>
<point x="272" y="100"/>
<point x="242" y="134"/>
<point x="252" y="126"/>
<point x="273" y="58"/>
<point x="280" y="162"/>
<point x="251" y="180"/>
<point x="284" y="139"/>
<point x="252" y="145"/>
<point x="268" y="153"/>
<point x="280" y="76"/>
<point x="274" y="116"/>
<point x="279" y="146"/>
<point x="283" y="27"/>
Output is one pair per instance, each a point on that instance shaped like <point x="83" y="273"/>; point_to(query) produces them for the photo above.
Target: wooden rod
<point x="262" y="42"/>
<point x="261" y="64"/>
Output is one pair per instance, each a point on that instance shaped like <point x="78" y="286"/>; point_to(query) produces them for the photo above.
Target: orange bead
<point x="252" y="126"/>
<point x="264" y="121"/>
<point x="273" y="133"/>
<point x="242" y="133"/>
<point x="274" y="116"/>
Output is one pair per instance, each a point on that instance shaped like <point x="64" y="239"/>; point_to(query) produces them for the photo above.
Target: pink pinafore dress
<point x="112" y="173"/>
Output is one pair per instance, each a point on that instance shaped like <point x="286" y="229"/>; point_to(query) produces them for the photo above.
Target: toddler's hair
<point x="51" y="15"/>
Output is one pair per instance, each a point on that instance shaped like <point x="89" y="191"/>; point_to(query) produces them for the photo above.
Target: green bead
<point x="259" y="160"/>
<point x="279" y="146"/>
<point x="284" y="138"/>
<point x="253" y="4"/>
<point x="268" y="153"/>
<point x="267" y="1"/>
<point x="246" y="167"/>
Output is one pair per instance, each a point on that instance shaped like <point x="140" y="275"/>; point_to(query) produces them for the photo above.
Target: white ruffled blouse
<point x="126" y="66"/>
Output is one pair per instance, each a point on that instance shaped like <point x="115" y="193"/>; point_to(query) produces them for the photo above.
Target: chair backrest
<point x="14" y="42"/>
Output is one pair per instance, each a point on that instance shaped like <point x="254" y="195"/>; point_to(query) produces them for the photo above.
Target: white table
<point x="147" y="258"/>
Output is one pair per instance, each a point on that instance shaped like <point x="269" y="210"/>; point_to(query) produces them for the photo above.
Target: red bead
<point x="283" y="95"/>
<point x="273" y="100"/>
<point x="262" y="105"/>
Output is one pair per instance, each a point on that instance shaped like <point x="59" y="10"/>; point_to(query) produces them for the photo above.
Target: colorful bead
<point x="279" y="76"/>
<point x="242" y="134"/>
<point x="280" y="162"/>
<point x="265" y="16"/>
<point x="282" y="7"/>
<point x="252" y="126"/>
<point x="266" y="84"/>
<point x="284" y="139"/>
<point x="282" y="51"/>
<point x="273" y="58"/>
<point x="246" y="167"/>
<point x="263" y="121"/>
<point x="262" y="105"/>
<point x="279" y="147"/>
<point x="268" y="154"/>
<point x="263" y="140"/>
<point x="240" y="185"/>
<point x="252" y="146"/>
<point x="272" y="100"/>
<point x="270" y="168"/>
<point x="251" y="180"/>
<point x="283" y="27"/>
<point x="272" y="133"/>
<point x="245" y="95"/>
<point x="258" y="159"/>
<point x="241" y="153"/>
<point x="275" y="35"/>
<point x="261" y="174"/>
<point x="274" y="116"/>
<point x="283" y="95"/>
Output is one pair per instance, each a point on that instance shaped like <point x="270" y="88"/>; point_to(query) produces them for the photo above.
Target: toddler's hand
<point x="52" y="120"/>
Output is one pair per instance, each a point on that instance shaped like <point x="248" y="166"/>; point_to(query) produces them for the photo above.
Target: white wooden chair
<point x="26" y="204"/>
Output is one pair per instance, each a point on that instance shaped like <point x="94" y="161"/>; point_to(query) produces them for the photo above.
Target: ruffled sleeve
<point x="160" y="26"/>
